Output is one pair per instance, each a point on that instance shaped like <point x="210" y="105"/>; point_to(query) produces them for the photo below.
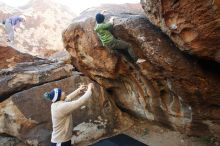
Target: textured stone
<point x="25" y="71"/>
<point x="28" y="75"/>
<point x="193" y="25"/>
<point x="10" y="141"/>
<point x="169" y="87"/>
<point x="10" y="57"/>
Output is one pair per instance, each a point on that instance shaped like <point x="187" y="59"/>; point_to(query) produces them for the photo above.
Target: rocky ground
<point x="10" y="141"/>
<point x="154" y="135"/>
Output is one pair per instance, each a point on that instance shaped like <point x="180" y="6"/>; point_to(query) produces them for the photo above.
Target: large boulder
<point x="22" y="71"/>
<point x="169" y="87"/>
<point x="26" y="115"/>
<point x="193" y="25"/>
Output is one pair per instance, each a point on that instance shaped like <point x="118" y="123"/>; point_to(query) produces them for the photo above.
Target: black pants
<point x="122" y="47"/>
<point x="68" y="143"/>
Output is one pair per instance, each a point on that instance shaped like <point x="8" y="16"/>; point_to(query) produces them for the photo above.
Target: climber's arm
<point x="105" y="26"/>
<point x="75" y="93"/>
<point x="67" y="107"/>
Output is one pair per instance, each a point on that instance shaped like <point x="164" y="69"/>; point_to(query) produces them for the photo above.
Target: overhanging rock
<point x="193" y="25"/>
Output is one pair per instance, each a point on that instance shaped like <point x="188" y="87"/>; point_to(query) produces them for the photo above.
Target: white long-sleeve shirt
<point x="61" y="113"/>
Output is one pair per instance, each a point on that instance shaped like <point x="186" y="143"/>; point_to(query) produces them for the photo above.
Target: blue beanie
<point x="53" y="95"/>
<point x="99" y="18"/>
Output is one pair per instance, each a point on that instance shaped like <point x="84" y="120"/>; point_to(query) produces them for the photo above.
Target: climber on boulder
<point x="61" y="112"/>
<point x="10" y="24"/>
<point x="114" y="45"/>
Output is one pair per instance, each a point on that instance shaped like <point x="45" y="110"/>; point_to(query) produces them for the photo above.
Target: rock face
<point x="32" y="74"/>
<point x="169" y="87"/>
<point x="192" y="25"/>
<point x="26" y="115"/>
<point x="26" y="71"/>
<point x="10" y="57"/>
<point x="41" y="35"/>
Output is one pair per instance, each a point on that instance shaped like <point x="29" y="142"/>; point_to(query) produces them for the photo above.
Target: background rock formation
<point x="193" y="25"/>
<point x="11" y="57"/>
<point x="170" y="87"/>
<point x="41" y="35"/>
<point x="21" y="71"/>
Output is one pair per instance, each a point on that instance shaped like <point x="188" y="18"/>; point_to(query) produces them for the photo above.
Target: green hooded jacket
<point x="103" y="32"/>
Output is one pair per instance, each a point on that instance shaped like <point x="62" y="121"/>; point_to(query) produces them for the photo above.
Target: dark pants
<point x="68" y="143"/>
<point x="9" y="30"/>
<point x="119" y="46"/>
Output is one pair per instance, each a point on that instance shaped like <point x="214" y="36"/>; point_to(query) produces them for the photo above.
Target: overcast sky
<point x="76" y="5"/>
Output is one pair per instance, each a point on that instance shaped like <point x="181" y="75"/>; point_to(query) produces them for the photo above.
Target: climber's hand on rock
<point x="111" y="20"/>
<point x="90" y="86"/>
<point x="103" y="11"/>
